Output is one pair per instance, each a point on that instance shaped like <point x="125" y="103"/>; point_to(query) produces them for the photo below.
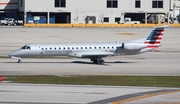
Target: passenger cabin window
<point x="50" y="48"/>
<point x="76" y="47"/>
<point x="59" y="47"/>
<point x="54" y="48"/>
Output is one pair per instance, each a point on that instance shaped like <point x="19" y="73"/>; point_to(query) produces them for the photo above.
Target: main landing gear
<point x="98" y="61"/>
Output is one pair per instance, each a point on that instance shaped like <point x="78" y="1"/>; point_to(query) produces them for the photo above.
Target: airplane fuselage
<point x="74" y="50"/>
<point x="93" y="51"/>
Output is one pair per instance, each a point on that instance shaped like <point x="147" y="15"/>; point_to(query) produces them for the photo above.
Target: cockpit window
<point x="26" y="47"/>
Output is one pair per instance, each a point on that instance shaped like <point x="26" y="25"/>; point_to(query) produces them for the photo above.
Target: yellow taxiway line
<point x="143" y="96"/>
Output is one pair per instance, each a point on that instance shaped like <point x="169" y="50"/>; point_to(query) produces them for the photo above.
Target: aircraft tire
<point x="102" y="62"/>
<point x="19" y="61"/>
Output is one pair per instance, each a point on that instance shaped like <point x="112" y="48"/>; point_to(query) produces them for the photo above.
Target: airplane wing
<point x="90" y="54"/>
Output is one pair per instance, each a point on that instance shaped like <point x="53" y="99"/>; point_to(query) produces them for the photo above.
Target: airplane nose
<point x="14" y="53"/>
<point x="11" y="54"/>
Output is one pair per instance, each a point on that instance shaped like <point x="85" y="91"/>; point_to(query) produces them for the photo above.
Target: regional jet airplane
<point x="93" y="51"/>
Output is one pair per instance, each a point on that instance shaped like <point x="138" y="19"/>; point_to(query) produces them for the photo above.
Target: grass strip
<point x="149" y="81"/>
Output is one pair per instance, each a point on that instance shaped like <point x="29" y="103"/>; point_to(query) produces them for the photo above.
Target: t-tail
<point x="154" y="39"/>
<point x="144" y="45"/>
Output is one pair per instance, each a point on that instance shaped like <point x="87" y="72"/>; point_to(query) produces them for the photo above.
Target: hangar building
<point x="83" y="11"/>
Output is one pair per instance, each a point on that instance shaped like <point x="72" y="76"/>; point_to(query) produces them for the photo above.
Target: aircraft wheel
<point x="19" y="61"/>
<point x="98" y="61"/>
<point x="102" y="62"/>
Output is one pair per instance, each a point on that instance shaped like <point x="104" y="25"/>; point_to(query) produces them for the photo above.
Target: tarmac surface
<point x="164" y="61"/>
<point x="85" y="94"/>
<point x="147" y="64"/>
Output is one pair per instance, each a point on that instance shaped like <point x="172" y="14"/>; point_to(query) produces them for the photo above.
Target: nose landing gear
<point x="19" y="61"/>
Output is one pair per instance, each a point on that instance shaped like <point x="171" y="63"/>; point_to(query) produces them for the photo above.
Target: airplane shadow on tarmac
<point x="79" y="62"/>
<point x="106" y="63"/>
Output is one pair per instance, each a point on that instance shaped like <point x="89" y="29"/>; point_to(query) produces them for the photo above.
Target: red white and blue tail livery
<point x="155" y="37"/>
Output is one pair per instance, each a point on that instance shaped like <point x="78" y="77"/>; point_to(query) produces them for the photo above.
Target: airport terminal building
<point x="84" y="11"/>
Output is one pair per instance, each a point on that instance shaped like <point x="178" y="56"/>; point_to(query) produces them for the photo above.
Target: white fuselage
<point x="83" y="50"/>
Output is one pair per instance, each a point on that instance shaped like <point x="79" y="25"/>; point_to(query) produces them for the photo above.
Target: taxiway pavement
<point x="78" y="94"/>
<point x="148" y="64"/>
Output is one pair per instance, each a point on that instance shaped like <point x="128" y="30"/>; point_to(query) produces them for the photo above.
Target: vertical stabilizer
<point x="155" y="37"/>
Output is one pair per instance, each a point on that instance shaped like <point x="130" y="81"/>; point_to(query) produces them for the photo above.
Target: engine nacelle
<point x="133" y="46"/>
